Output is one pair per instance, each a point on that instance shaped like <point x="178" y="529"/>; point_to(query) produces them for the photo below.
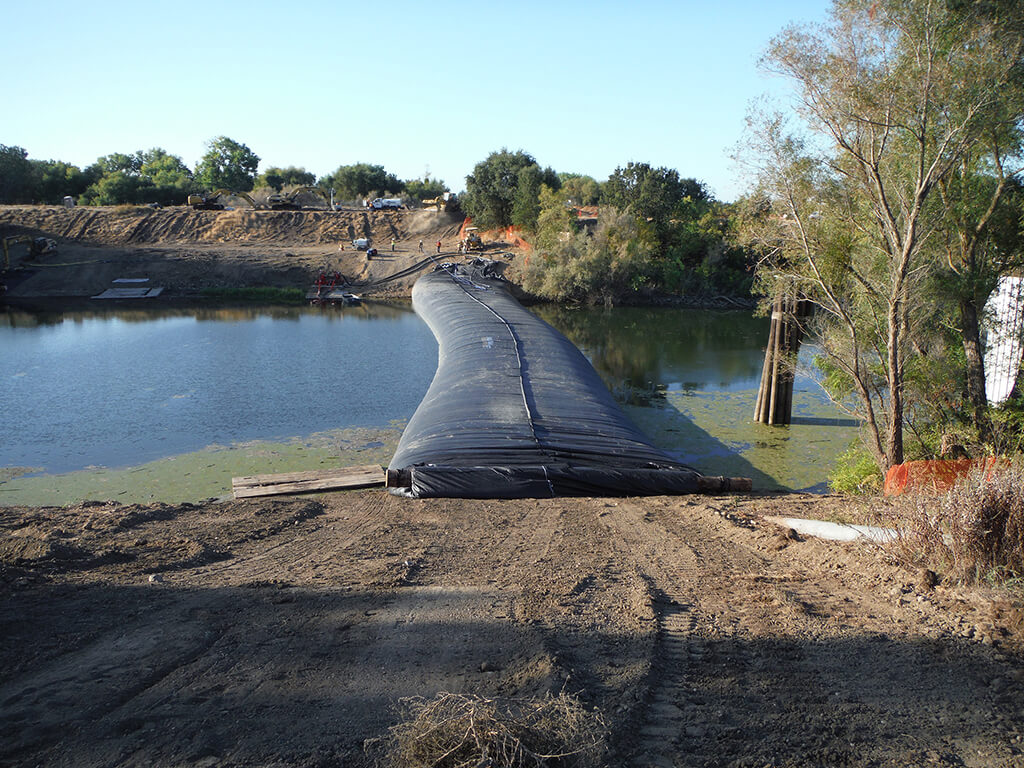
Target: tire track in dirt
<point x="774" y="650"/>
<point x="314" y="552"/>
<point x="676" y="557"/>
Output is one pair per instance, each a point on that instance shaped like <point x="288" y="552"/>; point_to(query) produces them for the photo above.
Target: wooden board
<point x="365" y="476"/>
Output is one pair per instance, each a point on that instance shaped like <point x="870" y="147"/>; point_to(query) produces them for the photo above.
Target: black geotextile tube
<point x="515" y="410"/>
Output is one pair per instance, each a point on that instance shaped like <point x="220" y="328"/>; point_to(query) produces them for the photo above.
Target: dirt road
<point x="284" y="632"/>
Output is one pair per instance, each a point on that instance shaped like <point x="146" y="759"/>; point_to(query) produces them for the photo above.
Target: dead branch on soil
<point x="467" y="731"/>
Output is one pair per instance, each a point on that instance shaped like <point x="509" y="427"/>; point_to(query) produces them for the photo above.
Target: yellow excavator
<point x="441" y="202"/>
<point x="211" y="202"/>
<point x="37" y="246"/>
<point x="288" y="201"/>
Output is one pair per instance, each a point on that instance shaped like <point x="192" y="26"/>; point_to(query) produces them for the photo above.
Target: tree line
<point x="654" y="230"/>
<point x="156" y="176"/>
<point x="643" y="230"/>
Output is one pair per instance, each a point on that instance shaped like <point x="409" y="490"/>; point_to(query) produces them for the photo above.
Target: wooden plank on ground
<point x="365" y="476"/>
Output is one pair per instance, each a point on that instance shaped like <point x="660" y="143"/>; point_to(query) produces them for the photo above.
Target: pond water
<point x="121" y="402"/>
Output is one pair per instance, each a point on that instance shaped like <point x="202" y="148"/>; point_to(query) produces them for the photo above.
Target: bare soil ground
<point x="284" y="632"/>
<point x="185" y="251"/>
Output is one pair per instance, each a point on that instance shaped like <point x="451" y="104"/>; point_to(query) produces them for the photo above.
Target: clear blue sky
<point x="413" y="86"/>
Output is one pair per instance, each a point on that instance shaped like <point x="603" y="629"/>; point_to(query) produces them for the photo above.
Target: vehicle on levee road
<point x="380" y="203"/>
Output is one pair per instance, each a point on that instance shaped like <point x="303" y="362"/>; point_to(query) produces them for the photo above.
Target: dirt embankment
<point x="284" y="632"/>
<point x="184" y="251"/>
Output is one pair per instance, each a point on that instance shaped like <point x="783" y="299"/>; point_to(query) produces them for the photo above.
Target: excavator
<point x="280" y="201"/>
<point x="37" y="246"/>
<point x="441" y="202"/>
<point x="211" y="202"/>
<point x="472" y="241"/>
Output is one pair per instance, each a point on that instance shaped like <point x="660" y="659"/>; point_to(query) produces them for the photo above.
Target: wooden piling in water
<point x="774" y="404"/>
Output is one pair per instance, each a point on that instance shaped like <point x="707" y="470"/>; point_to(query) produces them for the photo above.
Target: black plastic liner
<point x="515" y="410"/>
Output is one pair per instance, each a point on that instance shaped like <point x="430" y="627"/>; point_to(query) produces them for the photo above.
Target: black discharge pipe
<point x="516" y="411"/>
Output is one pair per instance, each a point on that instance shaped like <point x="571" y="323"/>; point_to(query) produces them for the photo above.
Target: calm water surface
<point x="118" y="389"/>
<point x="115" y="389"/>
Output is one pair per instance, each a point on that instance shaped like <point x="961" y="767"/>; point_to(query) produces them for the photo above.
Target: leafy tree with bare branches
<point x="897" y="99"/>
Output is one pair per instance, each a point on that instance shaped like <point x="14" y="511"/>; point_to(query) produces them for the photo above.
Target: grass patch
<point x="855" y="472"/>
<point x="256" y="294"/>
<point x="467" y="731"/>
<point x="972" y="534"/>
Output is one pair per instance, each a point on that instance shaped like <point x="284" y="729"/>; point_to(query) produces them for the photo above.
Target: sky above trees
<point x="418" y="87"/>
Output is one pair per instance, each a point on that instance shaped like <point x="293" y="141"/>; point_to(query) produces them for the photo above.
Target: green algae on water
<point x="715" y="432"/>
<point x="204" y="474"/>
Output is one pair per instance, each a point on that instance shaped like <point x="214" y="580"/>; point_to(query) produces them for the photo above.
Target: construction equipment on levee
<point x="472" y="240"/>
<point x="212" y="202"/>
<point x="446" y="202"/>
<point x="332" y="288"/>
<point x="289" y="201"/>
<point x="37" y="246"/>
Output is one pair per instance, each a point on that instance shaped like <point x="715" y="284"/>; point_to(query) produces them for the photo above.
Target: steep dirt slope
<point x="185" y="251"/>
<point x="137" y="225"/>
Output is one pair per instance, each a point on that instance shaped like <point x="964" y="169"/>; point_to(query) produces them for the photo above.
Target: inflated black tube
<point x="515" y="410"/>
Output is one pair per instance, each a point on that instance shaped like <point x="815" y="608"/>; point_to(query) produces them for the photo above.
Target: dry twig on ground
<point x="467" y="731"/>
<point x="975" y="532"/>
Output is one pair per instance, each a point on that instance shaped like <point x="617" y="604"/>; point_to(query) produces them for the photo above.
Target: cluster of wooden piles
<point x="774" y="405"/>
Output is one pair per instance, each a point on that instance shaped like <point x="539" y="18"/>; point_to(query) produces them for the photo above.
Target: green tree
<point x="579" y="189"/>
<point x="425" y="188"/>
<point x="605" y="266"/>
<point x="116" y="179"/>
<point x="894" y="96"/>
<point x="526" y="201"/>
<point x="491" y="190"/>
<point x="278" y="178"/>
<point x="651" y="193"/>
<point x="556" y="222"/>
<point x="52" y="180"/>
<point x="15" y="175"/>
<point x="700" y="255"/>
<point x="227" y="164"/>
<point x="165" y="177"/>
<point x="130" y="163"/>
<point x="358" y="181"/>
<point x="145" y="176"/>
<point x="114" y="188"/>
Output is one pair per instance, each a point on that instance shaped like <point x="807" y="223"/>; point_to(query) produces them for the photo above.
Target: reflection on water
<point x="15" y="318"/>
<point x="643" y="353"/>
<point x="688" y="378"/>
<point x="115" y="388"/>
<point x="119" y="388"/>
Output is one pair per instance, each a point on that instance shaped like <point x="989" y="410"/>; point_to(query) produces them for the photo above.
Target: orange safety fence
<point x="935" y="476"/>
<point x="508" y="235"/>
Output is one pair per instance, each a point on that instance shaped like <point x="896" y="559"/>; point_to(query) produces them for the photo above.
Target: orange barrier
<point x="510" y="235"/>
<point x="934" y="476"/>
